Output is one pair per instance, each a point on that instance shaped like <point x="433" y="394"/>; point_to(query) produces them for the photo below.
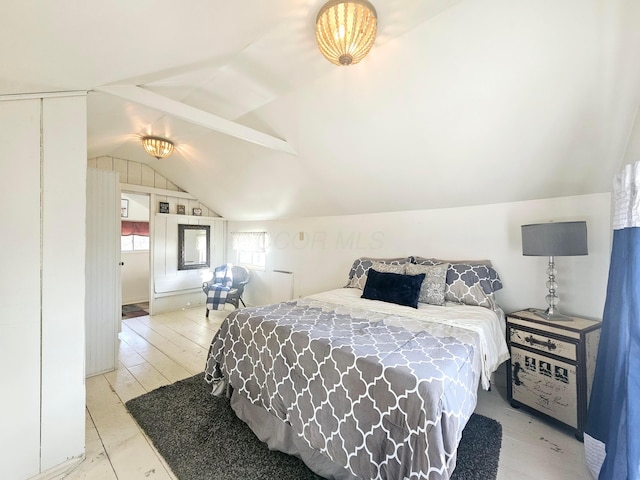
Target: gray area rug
<point x="200" y="437"/>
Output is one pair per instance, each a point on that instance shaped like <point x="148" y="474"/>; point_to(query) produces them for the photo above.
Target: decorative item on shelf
<point x="157" y="147"/>
<point x="197" y="212"/>
<point x="181" y="209"/>
<point x="124" y="208"/>
<point x="164" y="207"/>
<point x="346" y="30"/>
<point x="551" y="240"/>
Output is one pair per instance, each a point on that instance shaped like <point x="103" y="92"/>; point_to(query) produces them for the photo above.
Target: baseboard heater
<point x="269" y="287"/>
<point x="281" y="286"/>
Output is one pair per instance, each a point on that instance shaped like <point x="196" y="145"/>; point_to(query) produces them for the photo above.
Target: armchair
<point x="241" y="277"/>
<point x="227" y="287"/>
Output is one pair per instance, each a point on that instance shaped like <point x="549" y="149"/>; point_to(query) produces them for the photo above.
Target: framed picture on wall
<point x="181" y="209"/>
<point x="164" y="207"/>
<point x="124" y="208"/>
<point x="197" y="212"/>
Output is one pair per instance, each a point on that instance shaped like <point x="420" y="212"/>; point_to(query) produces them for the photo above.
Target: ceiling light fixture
<point x="346" y="30"/>
<point x="157" y="147"/>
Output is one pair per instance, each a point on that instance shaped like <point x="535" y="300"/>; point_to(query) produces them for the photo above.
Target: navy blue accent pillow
<point x="393" y="287"/>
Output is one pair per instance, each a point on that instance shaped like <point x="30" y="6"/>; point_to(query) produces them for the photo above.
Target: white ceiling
<point x="459" y="103"/>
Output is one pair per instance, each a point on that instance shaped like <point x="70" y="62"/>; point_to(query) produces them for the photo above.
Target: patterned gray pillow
<point x="425" y="261"/>
<point x="472" y="282"/>
<point x="437" y="261"/>
<point x="360" y="267"/>
<point x="389" y="267"/>
<point x="434" y="284"/>
<point x="472" y="285"/>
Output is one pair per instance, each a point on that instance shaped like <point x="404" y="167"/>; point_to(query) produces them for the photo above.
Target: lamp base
<point x="554" y="316"/>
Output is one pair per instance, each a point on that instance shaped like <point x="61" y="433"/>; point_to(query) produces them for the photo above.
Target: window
<point x="250" y="249"/>
<point x="134" y="236"/>
<point x="134" y="243"/>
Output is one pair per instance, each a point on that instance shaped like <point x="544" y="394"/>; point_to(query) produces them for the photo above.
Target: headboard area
<point x="469" y="282"/>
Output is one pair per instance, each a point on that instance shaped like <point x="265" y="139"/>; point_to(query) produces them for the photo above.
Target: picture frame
<point x="197" y="212"/>
<point x="181" y="209"/>
<point x="124" y="208"/>
<point x="164" y="207"/>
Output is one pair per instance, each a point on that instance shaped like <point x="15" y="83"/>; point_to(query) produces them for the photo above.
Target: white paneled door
<point x="103" y="290"/>
<point x="42" y="284"/>
<point x="20" y="284"/>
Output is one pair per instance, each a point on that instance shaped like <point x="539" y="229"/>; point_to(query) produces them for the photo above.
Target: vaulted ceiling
<point x="459" y="103"/>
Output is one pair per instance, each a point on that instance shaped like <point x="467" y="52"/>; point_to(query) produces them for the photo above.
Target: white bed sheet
<point x="488" y="324"/>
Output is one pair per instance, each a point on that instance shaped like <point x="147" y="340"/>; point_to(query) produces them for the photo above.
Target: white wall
<point x="138" y="206"/>
<point x="135" y="277"/>
<point x="174" y="289"/>
<point x="43" y="284"/>
<point x="632" y="153"/>
<point x="322" y="258"/>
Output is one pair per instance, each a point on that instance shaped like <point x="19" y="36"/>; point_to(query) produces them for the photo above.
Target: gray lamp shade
<point x="554" y="239"/>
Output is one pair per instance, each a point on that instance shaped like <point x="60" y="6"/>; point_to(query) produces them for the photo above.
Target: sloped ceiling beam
<point x="196" y="116"/>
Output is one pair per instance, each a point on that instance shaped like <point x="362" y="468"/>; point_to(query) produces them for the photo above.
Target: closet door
<point x="63" y="212"/>
<point x="103" y="287"/>
<point x="20" y="284"/>
<point x="43" y="167"/>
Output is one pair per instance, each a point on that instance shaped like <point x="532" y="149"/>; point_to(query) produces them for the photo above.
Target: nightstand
<point x="551" y="367"/>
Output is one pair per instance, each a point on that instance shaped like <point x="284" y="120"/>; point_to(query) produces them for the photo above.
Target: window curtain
<point x="612" y="430"/>
<point x="135" y="228"/>
<point x="249" y="241"/>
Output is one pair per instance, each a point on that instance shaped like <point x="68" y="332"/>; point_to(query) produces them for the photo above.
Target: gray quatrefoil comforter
<point x="379" y="389"/>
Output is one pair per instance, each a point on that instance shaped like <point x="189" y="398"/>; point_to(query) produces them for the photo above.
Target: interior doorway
<point x="135" y="254"/>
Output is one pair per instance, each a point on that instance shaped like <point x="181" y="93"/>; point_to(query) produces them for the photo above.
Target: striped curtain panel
<point x="612" y="431"/>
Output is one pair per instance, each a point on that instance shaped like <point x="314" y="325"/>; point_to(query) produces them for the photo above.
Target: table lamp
<point x="554" y="239"/>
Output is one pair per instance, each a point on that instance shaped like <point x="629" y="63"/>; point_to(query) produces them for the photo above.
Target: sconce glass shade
<point x="157" y="147"/>
<point x="346" y="30"/>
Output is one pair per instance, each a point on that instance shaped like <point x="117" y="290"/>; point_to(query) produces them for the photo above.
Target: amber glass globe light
<point x="346" y="30"/>
<point x="157" y="147"/>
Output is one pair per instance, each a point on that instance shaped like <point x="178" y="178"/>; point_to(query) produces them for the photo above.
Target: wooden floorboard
<point x="153" y="351"/>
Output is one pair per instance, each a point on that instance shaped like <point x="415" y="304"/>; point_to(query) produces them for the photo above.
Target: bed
<point x="360" y="387"/>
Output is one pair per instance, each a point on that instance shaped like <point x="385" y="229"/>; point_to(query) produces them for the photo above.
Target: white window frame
<point x="133" y="243"/>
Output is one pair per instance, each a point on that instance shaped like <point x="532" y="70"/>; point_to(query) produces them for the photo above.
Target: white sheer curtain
<point x="249" y="241"/>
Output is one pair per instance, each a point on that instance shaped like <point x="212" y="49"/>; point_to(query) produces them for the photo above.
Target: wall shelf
<point x="177" y="215"/>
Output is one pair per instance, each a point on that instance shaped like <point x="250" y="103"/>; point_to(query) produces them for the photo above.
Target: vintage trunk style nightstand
<point x="552" y="365"/>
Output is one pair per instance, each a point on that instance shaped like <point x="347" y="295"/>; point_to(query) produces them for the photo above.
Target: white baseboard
<point x="138" y="300"/>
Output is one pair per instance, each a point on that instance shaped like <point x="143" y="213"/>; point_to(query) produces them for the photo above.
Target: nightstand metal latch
<point x="534" y="341"/>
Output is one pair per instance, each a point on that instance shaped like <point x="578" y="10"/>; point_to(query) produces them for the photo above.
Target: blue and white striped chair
<point x="227" y="286"/>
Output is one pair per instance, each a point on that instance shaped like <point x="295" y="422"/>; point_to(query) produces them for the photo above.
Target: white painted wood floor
<point x="163" y="349"/>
